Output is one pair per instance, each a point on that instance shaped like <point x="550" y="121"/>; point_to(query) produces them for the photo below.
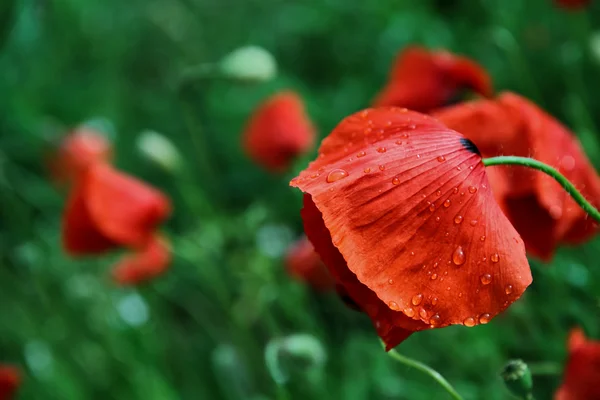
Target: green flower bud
<point x="251" y="64"/>
<point x="160" y="150"/>
<point x="296" y="354"/>
<point x="517" y="378"/>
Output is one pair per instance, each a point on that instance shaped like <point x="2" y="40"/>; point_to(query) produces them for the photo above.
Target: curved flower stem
<point x="553" y="172"/>
<point x="409" y="362"/>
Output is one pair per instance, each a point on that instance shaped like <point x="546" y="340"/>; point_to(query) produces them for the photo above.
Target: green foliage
<point x="200" y="332"/>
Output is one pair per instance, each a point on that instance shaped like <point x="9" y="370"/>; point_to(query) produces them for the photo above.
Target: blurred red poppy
<point x="109" y="209"/>
<point x="278" y="131"/>
<point x="77" y="151"/>
<point x="305" y="264"/>
<point x="399" y="208"/>
<point x="423" y="80"/>
<point x="582" y="372"/>
<point x="541" y="211"/>
<point x="10" y="379"/>
<point x="147" y="263"/>
<point x="573" y="4"/>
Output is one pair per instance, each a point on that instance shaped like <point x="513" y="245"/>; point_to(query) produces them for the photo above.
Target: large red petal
<point x="80" y="235"/>
<point x="147" y="263"/>
<point x="582" y="372"/>
<point x="392" y="326"/>
<point x="278" y="131"/>
<point x="122" y="207"/>
<point x="408" y="205"/>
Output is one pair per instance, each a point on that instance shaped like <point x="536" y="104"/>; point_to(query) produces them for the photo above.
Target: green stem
<point x="409" y="362"/>
<point x="553" y="172"/>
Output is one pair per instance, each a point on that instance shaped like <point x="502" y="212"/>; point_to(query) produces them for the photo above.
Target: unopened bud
<point x="292" y="355"/>
<point x="160" y="150"/>
<point x="250" y="64"/>
<point x="517" y="378"/>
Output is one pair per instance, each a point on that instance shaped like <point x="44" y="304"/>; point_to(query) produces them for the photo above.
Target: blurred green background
<point x="200" y="332"/>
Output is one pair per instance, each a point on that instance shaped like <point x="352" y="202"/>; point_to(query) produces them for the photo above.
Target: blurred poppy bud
<point x="297" y="354"/>
<point x="250" y="64"/>
<point x="517" y="378"/>
<point x="160" y="150"/>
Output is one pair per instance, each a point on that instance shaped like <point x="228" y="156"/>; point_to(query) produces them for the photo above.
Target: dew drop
<point x="459" y="257"/>
<point x="447" y="234"/>
<point x="361" y="154"/>
<point x="396" y="181"/>
<point x="472" y="189"/>
<point x="436" y="264"/>
<point x="367" y="131"/>
<point x="418" y="156"/>
<point x="458" y="219"/>
<point x="437" y="219"/>
<point x="486" y="279"/>
<point x="459" y="168"/>
<point x="508" y="289"/>
<point x="438" y="193"/>
<point x="441" y="158"/>
<point x="412" y="253"/>
<point x="336" y="175"/>
<point x="423" y="313"/>
<point x="482" y="238"/>
<point x="390" y="281"/>
<point x="417" y="299"/>
<point x="381" y="150"/>
<point x="455" y="190"/>
<point x="484" y="318"/>
<point x="473" y="222"/>
<point x="398" y="142"/>
<point x="470" y="322"/>
<point x="381" y="167"/>
<point x="434" y="277"/>
<point x="432" y="207"/>
<point x="412" y="126"/>
<point x="367" y="170"/>
<point x="434" y="301"/>
<point x="495" y="258"/>
<point x="447" y="203"/>
<point x="435" y="319"/>
<point x="393" y="306"/>
<point x="388" y="123"/>
<point x="409" y="312"/>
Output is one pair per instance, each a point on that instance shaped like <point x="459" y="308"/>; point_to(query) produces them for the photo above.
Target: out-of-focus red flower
<point x="77" y="151"/>
<point x="10" y="379"/>
<point x="109" y="209"/>
<point x="278" y="131"/>
<point x="423" y="80"/>
<point x="573" y="4"/>
<point x="582" y="372"/>
<point x="145" y="264"/>
<point x="541" y="211"/>
<point x="399" y="208"/>
<point x="304" y="263"/>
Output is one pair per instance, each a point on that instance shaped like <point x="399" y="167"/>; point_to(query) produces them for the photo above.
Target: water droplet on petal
<point x="441" y="158"/>
<point x="396" y="181"/>
<point x="409" y="312"/>
<point x="381" y="150"/>
<point x="473" y="222"/>
<point x="367" y="170"/>
<point x="432" y="207"/>
<point x="412" y="253"/>
<point x="459" y="257"/>
<point x="434" y="277"/>
<point x="459" y="168"/>
<point x="336" y="175"/>
<point x="423" y="313"/>
<point x="435" y="319"/>
<point x="484" y="318"/>
<point x="434" y="301"/>
<point x="361" y="154"/>
<point x="391" y="281"/>
<point x="437" y="219"/>
<point x="447" y="203"/>
<point x="418" y="156"/>
<point x="470" y="322"/>
<point x="472" y="189"/>
<point x="458" y="219"/>
<point x="508" y="289"/>
<point x="482" y="238"/>
<point x="495" y="258"/>
<point x="381" y="167"/>
<point x="417" y="299"/>
<point x="438" y="193"/>
<point x="398" y="142"/>
<point x="393" y="306"/>
<point x="486" y="279"/>
<point x="455" y="190"/>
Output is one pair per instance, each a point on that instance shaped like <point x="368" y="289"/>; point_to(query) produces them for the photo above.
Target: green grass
<point x="201" y="331"/>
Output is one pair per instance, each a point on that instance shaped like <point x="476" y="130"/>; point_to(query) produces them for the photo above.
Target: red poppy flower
<point x="541" y="211"/>
<point x="109" y="209"/>
<point x="10" y="380"/>
<point x="77" y="151"/>
<point x="147" y="263"/>
<point x="573" y="4"/>
<point x="399" y="208"/>
<point x="278" y="131"/>
<point x="305" y="264"/>
<point x="582" y="372"/>
<point x="423" y="80"/>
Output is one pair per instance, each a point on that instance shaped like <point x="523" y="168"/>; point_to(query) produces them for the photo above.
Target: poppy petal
<point x="122" y="207"/>
<point x="392" y="326"/>
<point x="147" y="263"/>
<point x="305" y="264"/>
<point x="80" y="234"/>
<point x="582" y="370"/>
<point x="408" y="205"/>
